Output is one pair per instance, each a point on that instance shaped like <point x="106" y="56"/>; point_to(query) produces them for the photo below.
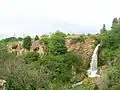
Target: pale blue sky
<point x="32" y="17"/>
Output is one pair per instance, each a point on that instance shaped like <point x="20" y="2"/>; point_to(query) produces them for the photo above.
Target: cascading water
<point x="93" y="65"/>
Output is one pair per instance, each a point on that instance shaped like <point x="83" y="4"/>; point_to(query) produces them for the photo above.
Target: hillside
<point x="58" y="61"/>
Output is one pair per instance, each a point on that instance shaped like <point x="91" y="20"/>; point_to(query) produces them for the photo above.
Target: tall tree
<point x="27" y="42"/>
<point x="114" y="23"/>
<point x="103" y="29"/>
<point x="36" y="37"/>
<point x="119" y="20"/>
<point x="57" y="43"/>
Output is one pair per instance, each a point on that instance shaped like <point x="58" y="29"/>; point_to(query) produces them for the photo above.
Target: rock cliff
<point x="85" y="49"/>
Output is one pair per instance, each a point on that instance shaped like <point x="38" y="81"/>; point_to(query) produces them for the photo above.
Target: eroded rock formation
<point x="84" y="49"/>
<point x="37" y="46"/>
<point x="2" y="84"/>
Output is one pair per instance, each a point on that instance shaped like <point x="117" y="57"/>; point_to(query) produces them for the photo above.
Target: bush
<point x="36" y="37"/>
<point x="57" y="43"/>
<point x="45" y="40"/>
<point x="73" y="59"/>
<point x="80" y="39"/>
<point x="61" y="66"/>
<point x="31" y="56"/>
<point x="27" y="42"/>
<point x="20" y="39"/>
<point x="110" y="43"/>
<point x="10" y="39"/>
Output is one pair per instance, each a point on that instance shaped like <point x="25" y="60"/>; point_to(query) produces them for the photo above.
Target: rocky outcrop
<point x="2" y="86"/>
<point x="36" y="46"/>
<point x="85" y="49"/>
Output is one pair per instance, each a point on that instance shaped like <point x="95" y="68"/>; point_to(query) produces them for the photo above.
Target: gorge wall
<point x="85" y="49"/>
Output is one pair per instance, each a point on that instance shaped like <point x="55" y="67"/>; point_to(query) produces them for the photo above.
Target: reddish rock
<point x="84" y="49"/>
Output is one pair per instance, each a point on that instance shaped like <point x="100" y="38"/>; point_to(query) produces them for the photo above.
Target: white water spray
<point x="93" y="65"/>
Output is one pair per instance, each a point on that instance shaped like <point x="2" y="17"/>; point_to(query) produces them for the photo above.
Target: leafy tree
<point x="36" y="37"/>
<point x="111" y="43"/>
<point x="112" y="76"/>
<point x="27" y="42"/>
<point x="20" y="39"/>
<point x="10" y="39"/>
<point x="119" y="20"/>
<point x="114" y="23"/>
<point x="45" y="40"/>
<point x="103" y="29"/>
<point x="57" y="43"/>
<point x="31" y="56"/>
<point x="61" y="66"/>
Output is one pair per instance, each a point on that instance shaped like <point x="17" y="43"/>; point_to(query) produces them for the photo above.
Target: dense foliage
<point x="57" y="43"/>
<point x="27" y="42"/>
<point x="31" y="56"/>
<point x="36" y="37"/>
<point x="111" y="43"/>
<point x="58" y="69"/>
<point x="110" y="53"/>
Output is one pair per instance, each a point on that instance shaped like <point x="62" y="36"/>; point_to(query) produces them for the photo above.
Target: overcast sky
<point x="32" y="17"/>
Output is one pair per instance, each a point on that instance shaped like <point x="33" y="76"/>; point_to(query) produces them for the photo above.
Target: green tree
<point x="103" y="29"/>
<point x="36" y="37"/>
<point x="119" y="20"/>
<point x="31" y="56"/>
<point x="111" y="43"/>
<point x="10" y="39"/>
<point x="57" y="43"/>
<point x="115" y="20"/>
<point x="114" y="23"/>
<point x="20" y="39"/>
<point x="27" y="42"/>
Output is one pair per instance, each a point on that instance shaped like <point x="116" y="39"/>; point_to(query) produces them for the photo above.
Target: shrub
<point x="31" y="56"/>
<point x="80" y="39"/>
<point x="45" y="40"/>
<point x="36" y="37"/>
<point x="57" y="43"/>
<point x="10" y="39"/>
<point x="61" y="66"/>
<point x="20" y="39"/>
<point x="27" y="42"/>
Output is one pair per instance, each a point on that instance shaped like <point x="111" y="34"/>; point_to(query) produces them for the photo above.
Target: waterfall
<point x="93" y="65"/>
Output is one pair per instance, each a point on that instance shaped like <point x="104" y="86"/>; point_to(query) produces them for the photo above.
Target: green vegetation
<point x="81" y="38"/>
<point x="31" y="56"/>
<point x="27" y="42"/>
<point x="110" y="53"/>
<point x="57" y="43"/>
<point x="59" y="69"/>
<point x="84" y="87"/>
<point x="36" y="37"/>
<point x="11" y="39"/>
<point x="31" y="72"/>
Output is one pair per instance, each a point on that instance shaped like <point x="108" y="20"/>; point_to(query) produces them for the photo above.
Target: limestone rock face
<point x="14" y="46"/>
<point x="37" y="46"/>
<point x="84" y="49"/>
<point x="2" y="86"/>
